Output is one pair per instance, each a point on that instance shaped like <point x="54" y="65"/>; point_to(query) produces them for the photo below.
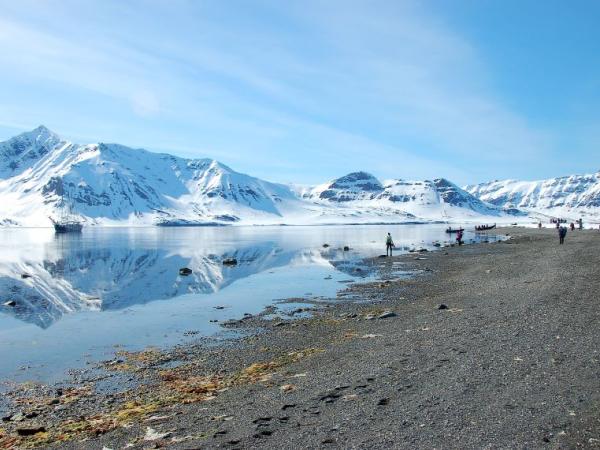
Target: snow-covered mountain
<point x="435" y="200"/>
<point x="570" y="197"/>
<point x="352" y="187"/>
<point x="110" y="184"/>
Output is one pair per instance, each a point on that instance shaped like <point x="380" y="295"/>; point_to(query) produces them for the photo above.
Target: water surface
<point x="84" y="296"/>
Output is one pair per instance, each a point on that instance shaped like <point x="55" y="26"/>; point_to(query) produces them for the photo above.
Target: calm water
<point x="106" y="288"/>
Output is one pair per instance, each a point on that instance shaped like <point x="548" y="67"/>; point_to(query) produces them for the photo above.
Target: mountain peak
<point x="24" y="150"/>
<point x="354" y="186"/>
<point x="42" y="129"/>
<point x="40" y="135"/>
<point x="443" y="182"/>
<point x="361" y="180"/>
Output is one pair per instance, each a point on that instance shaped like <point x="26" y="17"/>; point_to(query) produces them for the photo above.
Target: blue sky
<point x="306" y="91"/>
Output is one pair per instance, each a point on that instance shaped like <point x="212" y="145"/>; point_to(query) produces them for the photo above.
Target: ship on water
<point x="67" y="222"/>
<point x="71" y="226"/>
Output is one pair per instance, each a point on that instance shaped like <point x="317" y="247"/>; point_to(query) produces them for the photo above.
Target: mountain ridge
<point x="569" y="196"/>
<point x="111" y="184"/>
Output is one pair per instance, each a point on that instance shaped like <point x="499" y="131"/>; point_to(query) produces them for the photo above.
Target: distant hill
<point x="571" y="197"/>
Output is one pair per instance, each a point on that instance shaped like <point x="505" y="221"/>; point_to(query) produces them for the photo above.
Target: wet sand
<point x="512" y="362"/>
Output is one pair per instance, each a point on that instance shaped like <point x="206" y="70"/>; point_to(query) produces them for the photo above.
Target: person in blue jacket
<point x="562" y="232"/>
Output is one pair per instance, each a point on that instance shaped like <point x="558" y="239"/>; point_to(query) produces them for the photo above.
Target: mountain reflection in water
<point x="120" y="288"/>
<point x="115" y="269"/>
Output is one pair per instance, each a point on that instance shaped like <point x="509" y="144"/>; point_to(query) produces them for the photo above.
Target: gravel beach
<point x="487" y="346"/>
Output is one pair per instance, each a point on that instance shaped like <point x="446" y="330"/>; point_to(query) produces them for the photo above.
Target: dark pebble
<point x="30" y="431"/>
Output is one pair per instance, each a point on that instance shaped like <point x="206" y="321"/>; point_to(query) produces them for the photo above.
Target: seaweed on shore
<point x="179" y="385"/>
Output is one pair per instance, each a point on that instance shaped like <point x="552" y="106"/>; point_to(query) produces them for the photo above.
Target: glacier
<point x="114" y="185"/>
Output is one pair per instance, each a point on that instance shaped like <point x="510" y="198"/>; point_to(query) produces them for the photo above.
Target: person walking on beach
<point x="459" y="237"/>
<point x="562" y="232"/>
<point x="389" y="245"/>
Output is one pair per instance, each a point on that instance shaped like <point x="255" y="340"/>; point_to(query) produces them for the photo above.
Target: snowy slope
<point x="570" y="197"/>
<point x="23" y="151"/>
<point x="110" y="184"/>
<point x="437" y="198"/>
<point x="355" y="186"/>
<point x="433" y="200"/>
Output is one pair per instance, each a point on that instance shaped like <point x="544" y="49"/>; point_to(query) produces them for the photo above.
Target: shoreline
<point x="412" y="376"/>
<point x="263" y="225"/>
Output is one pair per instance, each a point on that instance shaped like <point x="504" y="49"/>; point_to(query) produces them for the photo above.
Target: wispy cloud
<point x="324" y="87"/>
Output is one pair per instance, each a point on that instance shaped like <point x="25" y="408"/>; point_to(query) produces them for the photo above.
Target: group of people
<point x="572" y="225"/>
<point x="562" y="230"/>
<point x="562" y="233"/>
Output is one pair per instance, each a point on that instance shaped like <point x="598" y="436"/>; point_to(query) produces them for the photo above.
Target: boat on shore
<point x="484" y="227"/>
<point x="450" y="230"/>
